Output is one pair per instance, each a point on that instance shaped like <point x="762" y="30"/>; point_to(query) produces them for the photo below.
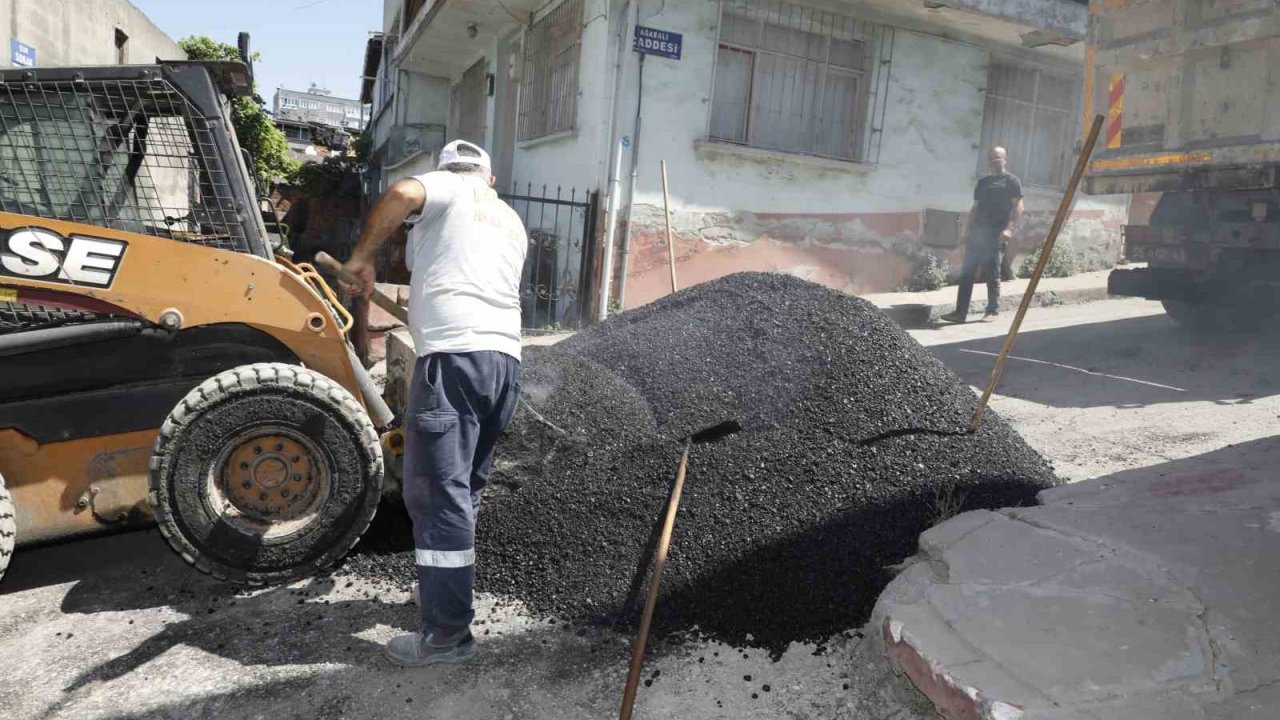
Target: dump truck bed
<point x="1191" y="92"/>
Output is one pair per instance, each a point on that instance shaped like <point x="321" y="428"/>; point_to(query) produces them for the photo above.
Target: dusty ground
<point x="118" y="627"/>
<point x="1114" y="385"/>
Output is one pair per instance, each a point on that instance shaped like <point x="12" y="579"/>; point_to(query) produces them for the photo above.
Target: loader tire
<point x="8" y="528"/>
<point x="266" y="473"/>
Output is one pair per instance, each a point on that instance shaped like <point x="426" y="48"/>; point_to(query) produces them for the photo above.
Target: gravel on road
<point x="853" y="442"/>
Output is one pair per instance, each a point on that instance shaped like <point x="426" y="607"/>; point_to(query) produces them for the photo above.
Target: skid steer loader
<point x="157" y="361"/>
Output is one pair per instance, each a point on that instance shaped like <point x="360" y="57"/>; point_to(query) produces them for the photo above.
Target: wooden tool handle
<point x="395" y="309"/>
<point x="659" y="564"/>
<point x="666" y="209"/>
<point x="1064" y="207"/>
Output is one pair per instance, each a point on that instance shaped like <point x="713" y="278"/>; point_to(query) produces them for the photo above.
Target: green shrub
<point x="928" y="272"/>
<point x="1062" y="262"/>
<point x="256" y="132"/>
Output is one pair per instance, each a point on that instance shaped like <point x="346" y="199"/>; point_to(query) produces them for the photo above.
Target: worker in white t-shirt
<point x="466" y="252"/>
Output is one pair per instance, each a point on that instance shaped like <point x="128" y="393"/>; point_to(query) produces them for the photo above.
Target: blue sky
<point x="322" y="43"/>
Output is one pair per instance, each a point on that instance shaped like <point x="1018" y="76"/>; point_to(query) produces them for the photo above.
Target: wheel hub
<point x="269" y="482"/>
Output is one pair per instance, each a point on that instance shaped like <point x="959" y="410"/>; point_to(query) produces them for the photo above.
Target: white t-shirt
<point x="466" y="253"/>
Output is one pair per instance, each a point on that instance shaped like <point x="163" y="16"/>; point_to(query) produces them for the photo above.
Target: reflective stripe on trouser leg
<point x="445" y="558"/>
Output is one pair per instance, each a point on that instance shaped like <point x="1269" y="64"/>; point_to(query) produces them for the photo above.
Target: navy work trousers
<point x="982" y="252"/>
<point x="458" y="406"/>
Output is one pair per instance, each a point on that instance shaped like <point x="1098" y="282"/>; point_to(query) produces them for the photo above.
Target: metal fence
<point x="558" y="281"/>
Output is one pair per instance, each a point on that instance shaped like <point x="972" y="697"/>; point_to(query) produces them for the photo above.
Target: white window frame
<point x="866" y="33"/>
<point x="1021" y="157"/>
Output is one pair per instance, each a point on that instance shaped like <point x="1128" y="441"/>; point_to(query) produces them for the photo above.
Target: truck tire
<point x="8" y="528"/>
<point x="266" y="473"/>
<point x="1196" y="317"/>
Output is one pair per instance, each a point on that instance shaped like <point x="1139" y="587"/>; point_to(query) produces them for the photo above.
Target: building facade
<point x="319" y="106"/>
<point x="837" y="140"/>
<point x="48" y="33"/>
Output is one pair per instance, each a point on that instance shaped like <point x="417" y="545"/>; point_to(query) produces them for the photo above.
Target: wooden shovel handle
<point x="395" y="309"/>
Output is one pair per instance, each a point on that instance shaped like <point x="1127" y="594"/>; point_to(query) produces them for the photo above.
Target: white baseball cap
<point x="474" y="155"/>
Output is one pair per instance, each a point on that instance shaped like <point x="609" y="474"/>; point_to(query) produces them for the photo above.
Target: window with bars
<point x="131" y="155"/>
<point x="1033" y="115"/>
<point x="549" y="78"/>
<point x="792" y="78"/>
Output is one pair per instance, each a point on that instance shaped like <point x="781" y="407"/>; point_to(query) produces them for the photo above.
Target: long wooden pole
<point x="1063" y="208"/>
<point x="659" y="564"/>
<point x="666" y="206"/>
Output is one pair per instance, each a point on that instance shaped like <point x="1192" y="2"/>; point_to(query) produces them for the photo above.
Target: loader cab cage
<point x="145" y="149"/>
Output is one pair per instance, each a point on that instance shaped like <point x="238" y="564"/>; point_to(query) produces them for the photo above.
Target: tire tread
<point x="246" y="379"/>
<point x="8" y="528"/>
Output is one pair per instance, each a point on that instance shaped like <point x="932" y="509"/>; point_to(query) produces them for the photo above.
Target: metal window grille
<point x="131" y="155"/>
<point x="549" y="79"/>
<point x="799" y="79"/>
<point x="1033" y="115"/>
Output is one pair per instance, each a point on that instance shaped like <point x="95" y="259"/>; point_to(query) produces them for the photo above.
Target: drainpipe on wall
<point x="615" y="178"/>
<point x="610" y="218"/>
<point x="625" y="250"/>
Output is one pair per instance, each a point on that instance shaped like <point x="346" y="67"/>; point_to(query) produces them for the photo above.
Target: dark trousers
<point x="459" y="404"/>
<point x="981" y="253"/>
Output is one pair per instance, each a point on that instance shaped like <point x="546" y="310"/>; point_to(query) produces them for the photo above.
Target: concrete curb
<point x="1049" y="298"/>
<point x="1010" y="303"/>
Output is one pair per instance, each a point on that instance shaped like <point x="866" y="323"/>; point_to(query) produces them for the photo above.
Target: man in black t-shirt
<point x="997" y="208"/>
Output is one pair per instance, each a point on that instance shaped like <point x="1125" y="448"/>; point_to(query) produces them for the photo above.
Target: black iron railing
<point x="559" y="273"/>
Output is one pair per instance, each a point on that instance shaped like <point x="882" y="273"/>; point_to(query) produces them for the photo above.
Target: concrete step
<point x="1150" y="594"/>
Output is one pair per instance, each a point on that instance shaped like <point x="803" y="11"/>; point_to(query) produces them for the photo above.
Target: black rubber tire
<point x="213" y="417"/>
<point x="18" y="316"/>
<point x="1204" y="319"/>
<point x="8" y="528"/>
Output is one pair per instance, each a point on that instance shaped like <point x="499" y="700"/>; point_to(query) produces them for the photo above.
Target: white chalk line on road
<point x="1077" y="369"/>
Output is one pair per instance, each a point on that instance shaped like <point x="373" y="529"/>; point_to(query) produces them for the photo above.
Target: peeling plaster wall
<point x="851" y="226"/>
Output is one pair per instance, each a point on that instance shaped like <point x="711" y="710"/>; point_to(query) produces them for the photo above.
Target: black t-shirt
<point x="995" y="197"/>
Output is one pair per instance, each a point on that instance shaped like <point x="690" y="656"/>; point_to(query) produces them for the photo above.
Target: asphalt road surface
<point x="118" y="627"/>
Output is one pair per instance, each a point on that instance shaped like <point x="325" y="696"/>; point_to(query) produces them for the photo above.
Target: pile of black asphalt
<point x="853" y="442"/>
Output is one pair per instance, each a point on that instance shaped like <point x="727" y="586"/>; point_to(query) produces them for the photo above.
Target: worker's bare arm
<point x="402" y="199"/>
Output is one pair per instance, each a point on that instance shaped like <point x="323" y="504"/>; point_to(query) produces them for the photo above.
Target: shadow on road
<point x="318" y="627"/>
<point x="1134" y="362"/>
<point x="1183" y="481"/>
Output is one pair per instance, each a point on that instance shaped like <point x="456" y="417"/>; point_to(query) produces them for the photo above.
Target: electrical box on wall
<point x="941" y="228"/>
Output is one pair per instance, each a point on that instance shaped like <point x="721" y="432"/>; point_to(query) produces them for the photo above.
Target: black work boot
<point x="417" y="650"/>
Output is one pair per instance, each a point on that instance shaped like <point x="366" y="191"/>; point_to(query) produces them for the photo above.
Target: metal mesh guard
<point x="131" y="155"/>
